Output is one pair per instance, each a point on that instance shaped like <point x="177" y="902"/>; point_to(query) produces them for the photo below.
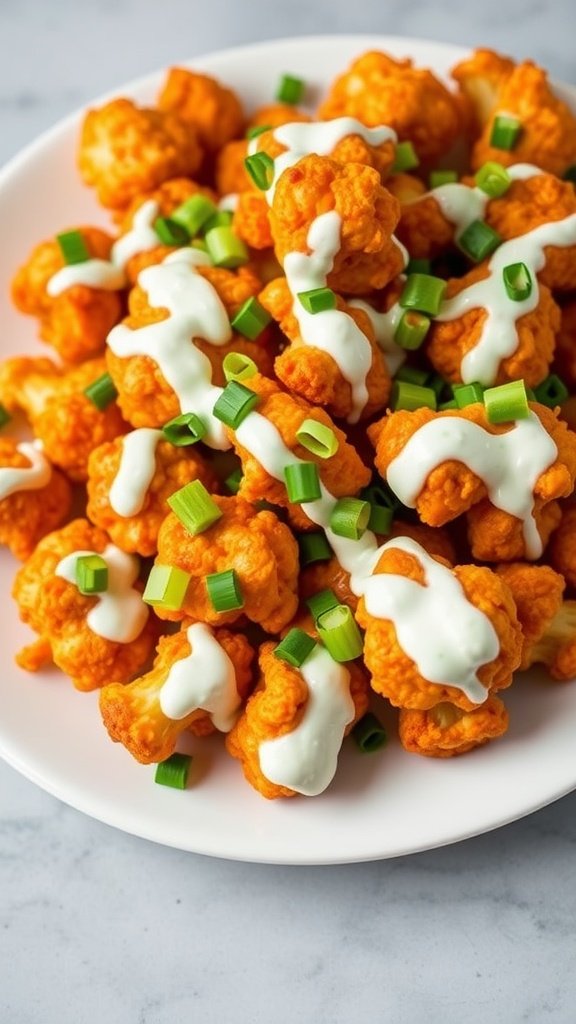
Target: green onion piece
<point x="290" y="90"/>
<point x="417" y="266"/>
<point x="251" y="319"/>
<point x="101" y="392"/>
<point x="380" y="494"/>
<point x="423" y="292"/>
<point x="91" y="574"/>
<point x="302" y="482"/>
<point x="237" y="366"/>
<point x="506" y="131"/>
<point x="166" y="587"/>
<point x="350" y="517"/>
<point x="451" y="404"/>
<point x="317" y="438"/>
<point x="5" y="416"/>
<point x="438" y="178"/>
<point x="478" y="241"/>
<point x="570" y="174"/>
<point x="317" y="300"/>
<point x="411" y="330"/>
<point x="412" y="375"/>
<point x="437" y="383"/>
<point x="467" y="394"/>
<point x="493" y="179"/>
<point x="260" y="167"/>
<point x="339" y="633"/>
<point x="173" y="771"/>
<point x="222" y="218"/>
<point x="170" y="232"/>
<point x="295" y="647"/>
<point x="225" y="248"/>
<point x="313" y="548"/>
<point x="73" y="247"/>
<point x="184" y="430"/>
<point x="551" y="392"/>
<point x="507" y="402"/>
<point x="405" y="158"/>
<point x="321" y="602"/>
<point x="224" y="591"/>
<point x="256" y="130"/>
<point x="517" y="281"/>
<point x="381" y="520"/>
<point x="234" y="404"/>
<point x="411" y="396"/>
<point x="199" y="243"/>
<point x="194" y="213"/>
<point x="234" y="480"/>
<point x="369" y="735"/>
<point x="194" y="507"/>
<point x="530" y="394"/>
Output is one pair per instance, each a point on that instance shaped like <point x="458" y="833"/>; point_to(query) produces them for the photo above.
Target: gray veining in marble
<point x="96" y="926"/>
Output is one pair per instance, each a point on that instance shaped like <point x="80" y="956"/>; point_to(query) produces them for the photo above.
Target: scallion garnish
<point x="173" y="771"/>
<point x="234" y="404"/>
<point x="101" y="392"/>
<point x="260" y="167"/>
<point x="73" y="247"/>
<point x="478" y="241"/>
<point x="339" y="633"/>
<point x="317" y="300"/>
<point x="220" y="219"/>
<point x="450" y="404"/>
<point x="350" y="517"/>
<point x="321" y="602"/>
<point x="251" y="319"/>
<point x="412" y="375"/>
<point x="313" y="548"/>
<point x="411" y="396"/>
<point x="506" y="402"/>
<point x="467" y="394"/>
<point x="194" y="507"/>
<point x="166" y="587"/>
<point x="506" y="132"/>
<point x="369" y="735"/>
<point x="194" y="213"/>
<point x="290" y="90"/>
<point x="411" y="330"/>
<point x="237" y="366"/>
<point x="224" y="591"/>
<point x="225" y="248"/>
<point x="551" y="392"/>
<point x="493" y="179"/>
<point x="256" y="130"/>
<point x="438" y="178"/>
<point x="405" y="158"/>
<point x="295" y="647"/>
<point x="424" y="293"/>
<point x="517" y="281"/>
<point x="317" y="438"/>
<point x="382" y="508"/>
<point x="418" y="266"/>
<point x="184" y="430"/>
<point x="170" y="232"/>
<point x="234" y="480"/>
<point x="91" y="574"/>
<point x="5" y="416"/>
<point x="302" y="482"/>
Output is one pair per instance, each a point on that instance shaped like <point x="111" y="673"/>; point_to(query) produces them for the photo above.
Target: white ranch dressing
<point x="384" y="326"/>
<point x="196" y="311"/>
<point x="306" y="758"/>
<point x="135" y="472"/>
<point x="119" y="614"/>
<point x="205" y="679"/>
<point x="26" y="478"/>
<point x="509" y="464"/>
<point x="229" y="202"/>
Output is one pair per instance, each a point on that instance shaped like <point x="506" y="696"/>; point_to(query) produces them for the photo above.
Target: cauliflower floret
<point x="252" y="220"/>
<point x="230" y="174"/>
<point x="423" y="228"/>
<point x="480" y="77"/>
<point x="27" y="516"/>
<point x="445" y="731"/>
<point x="126" y="150"/>
<point x="562" y="550"/>
<point x="557" y="647"/>
<point x="57" y="611"/>
<point x="272" y="115"/>
<point x="537" y="591"/>
<point x="203" y="103"/>
<point x="133" y="716"/>
<point x="77" y="321"/>
<point x="565" y="354"/>
<point x="495" y="536"/>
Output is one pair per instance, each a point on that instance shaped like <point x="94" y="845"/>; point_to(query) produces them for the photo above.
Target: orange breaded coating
<point x="203" y="103"/>
<point x="62" y="417"/>
<point x="77" y="321"/>
<point x="276" y="708"/>
<point x="422" y="228"/>
<point x="255" y="544"/>
<point x="368" y="257"/>
<point x="57" y="611"/>
<point x="565" y="354"/>
<point x="252" y="220"/>
<point x="561" y="551"/>
<point x="537" y="591"/>
<point x="396" y="676"/>
<point x="133" y="715"/>
<point x="352" y="149"/>
<point x="138" y="533"/>
<point x="379" y="90"/>
<point x="126" y="150"/>
<point x="311" y="372"/>
<point x="494" y="85"/>
<point x="445" y="731"/>
<point x="272" y="115"/>
<point x="230" y="174"/>
<point x="28" y="515"/>
<point x="343" y="473"/>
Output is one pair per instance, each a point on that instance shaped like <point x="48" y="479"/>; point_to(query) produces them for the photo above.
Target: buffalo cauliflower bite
<point x="422" y="228"/>
<point x="260" y="549"/>
<point x="133" y="714"/>
<point x="126" y="150"/>
<point x="548" y="623"/>
<point x="379" y="90"/>
<point x="62" y="417"/>
<point x="252" y="220"/>
<point x="230" y="174"/>
<point x="369" y="256"/>
<point x="204" y="104"/>
<point x="28" y="515"/>
<point x="77" y="321"/>
<point x="57" y="611"/>
<point x="561" y="551"/>
<point x="496" y="536"/>
<point x="445" y="730"/>
<point x="275" y="708"/>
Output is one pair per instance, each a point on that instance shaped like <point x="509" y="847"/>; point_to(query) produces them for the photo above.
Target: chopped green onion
<point x="380" y="494"/>
<point x="551" y="392"/>
<point x="302" y="482"/>
<point x="313" y="548"/>
<point x="194" y="507"/>
<point x="225" y="248"/>
<point x="194" y="213"/>
<point x="222" y="218"/>
<point x="493" y="179"/>
<point x="317" y="438"/>
<point x="256" y="130"/>
<point x="369" y="734"/>
<point x="317" y="300"/>
<point x="405" y="158"/>
<point x="224" y="591"/>
<point x="234" y="404"/>
<point x="416" y="266"/>
<point x="237" y="366"/>
<point x="438" y="178"/>
<point x="412" y="375"/>
<point x="411" y="330"/>
<point x="91" y="574"/>
<point x="505" y="132"/>
<point x="170" y="232"/>
<point x="295" y="647"/>
<point x="290" y="90"/>
<point x="467" y="394"/>
<point x="570" y="174"/>
<point x="444" y="406"/>
<point x="5" y="416"/>
<point x="382" y="508"/>
<point x="199" y="243"/>
<point x="339" y="633"/>
<point x="173" y="771"/>
<point x="321" y="602"/>
<point x="260" y="167"/>
<point x="101" y="392"/>
<point x="507" y="402"/>
<point x="234" y="480"/>
<point x="530" y="394"/>
<point x="166" y="587"/>
<point x="411" y="396"/>
<point x="72" y="247"/>
<point x="436" y="382"/>
<point x="184" y="430"/>
<point x="478" y="241"/>
<point x="423" y="292"/>
<point x="350" y="517"/>
<point x="251" y="319"/>
<point x="517" y="281"/>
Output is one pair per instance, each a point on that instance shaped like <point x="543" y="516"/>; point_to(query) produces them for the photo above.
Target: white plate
<point x="383" y="805"/>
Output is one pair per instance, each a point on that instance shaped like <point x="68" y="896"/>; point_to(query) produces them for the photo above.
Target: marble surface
<point x="99" y="926"/>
